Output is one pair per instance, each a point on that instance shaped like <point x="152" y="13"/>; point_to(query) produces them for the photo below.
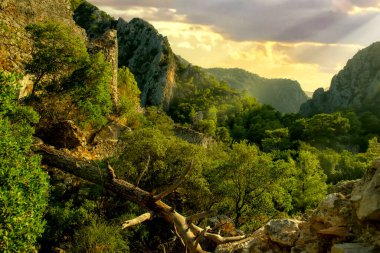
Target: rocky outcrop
<point x="284" y="95"/>
<point x="149" y="57"/>
<point x="107" y="44"/>
<point x="366" y="196"/>
<point x="15" y="15"/>
<point x="357" y="86"/>
<point x="193" y="136"/>
<point x="346" y="221"/>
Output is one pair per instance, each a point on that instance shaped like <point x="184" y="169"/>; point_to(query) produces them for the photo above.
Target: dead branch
<point x="218" y="239"/>
<point x="175" y="185"/>
<point x="138" y="220"/>
<point x="111" y="172"/>
<point x="143" y="172"/>
<point x="91" y="171"/>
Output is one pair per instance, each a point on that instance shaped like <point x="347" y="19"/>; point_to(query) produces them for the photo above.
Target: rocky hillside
<point x="283" y="94"/>
<point x="149" y="56"/>
<point x="140" y="48"/>
<point x="346" y="221"/>
<point x="15" y="15"/>
<point x="356" y="87"/>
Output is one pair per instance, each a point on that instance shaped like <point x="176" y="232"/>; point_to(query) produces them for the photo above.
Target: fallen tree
<point x="186" y="230"/>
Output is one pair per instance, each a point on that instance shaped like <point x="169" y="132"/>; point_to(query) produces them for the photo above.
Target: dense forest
<point x="257" y="164"/>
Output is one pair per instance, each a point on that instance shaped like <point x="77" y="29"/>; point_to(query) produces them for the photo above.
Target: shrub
<point x="23" y="185"/>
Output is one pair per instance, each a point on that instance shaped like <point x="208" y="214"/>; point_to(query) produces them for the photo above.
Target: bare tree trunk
<point x="104" y="176"/>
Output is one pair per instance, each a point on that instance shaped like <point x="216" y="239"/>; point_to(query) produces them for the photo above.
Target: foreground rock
<point x="346" y="221"/>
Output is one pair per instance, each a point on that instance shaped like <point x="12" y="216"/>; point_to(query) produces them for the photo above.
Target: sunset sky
<point x="305" y="40"/>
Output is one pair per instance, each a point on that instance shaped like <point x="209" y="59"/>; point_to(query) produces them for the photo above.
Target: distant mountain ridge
<point x="284" y="95"/>
<point x="355" y="87"/>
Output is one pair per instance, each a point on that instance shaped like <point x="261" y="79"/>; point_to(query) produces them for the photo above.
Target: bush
<point x="23" y="185"/>
<point x="100" y="237"/>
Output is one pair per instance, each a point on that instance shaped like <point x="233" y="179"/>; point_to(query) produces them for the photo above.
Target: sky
<point x="304" y="40"/>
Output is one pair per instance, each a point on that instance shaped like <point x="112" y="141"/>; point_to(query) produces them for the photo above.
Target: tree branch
<point x="138" y="220"/>
<point x="93" y="172"/>
<point x="175" y="185"/>
<point x="143" y="172"/>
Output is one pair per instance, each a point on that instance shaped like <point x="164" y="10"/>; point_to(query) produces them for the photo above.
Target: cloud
<point x="324" y="21"/>
<point x="305" y="40"/>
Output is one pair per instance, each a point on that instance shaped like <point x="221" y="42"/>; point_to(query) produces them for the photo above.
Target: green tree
<point x="129" y="92"/>
<point x="311" y="184"/>
<point x="23" y="185"/>
<point x="247" y="181"/>
<point x="93" y="93"/>
<point x="57" y="51"/>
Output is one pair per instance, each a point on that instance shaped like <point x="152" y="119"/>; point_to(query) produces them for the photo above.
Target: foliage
<point x="310" y="185"/>
<point x="94" y="21"/>
<point x="57" y="51"/>
<point x="75" y="3"/>
<point x="251" y="184"/>
<point x="23" y="185"/>
<point x="93" y="93"/>
<point x="129" y="95"/>
<point x="153" y="160"/>
<point x="99" y="236"/>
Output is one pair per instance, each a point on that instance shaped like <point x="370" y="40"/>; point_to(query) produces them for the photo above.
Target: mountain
<point x="140" y="48"/>
<point x="355" y="87"/>
<point x="284" y="95"/>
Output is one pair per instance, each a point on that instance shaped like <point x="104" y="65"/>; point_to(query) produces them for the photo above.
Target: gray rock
<point x="352" y="248"/>
<point x="366" y="196"/>
<point x="109" y="133"/>
<point x="149" y="57"/>
<point x="283" y="231"/>
<point x="357" y="86"/>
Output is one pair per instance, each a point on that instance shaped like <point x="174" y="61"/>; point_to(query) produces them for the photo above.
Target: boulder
<point x="283" y="231"/>
<point x="109" y="133"/>
<point x="366" y="196"/>
<point x="352" y="248"/>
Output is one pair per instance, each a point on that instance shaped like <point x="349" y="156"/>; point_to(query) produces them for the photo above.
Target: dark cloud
<point x="326" y="21"/>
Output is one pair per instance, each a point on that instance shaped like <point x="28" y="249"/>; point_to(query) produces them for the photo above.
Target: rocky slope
<point x="346" y="221"/>
<point x="283" y="94"/>
<point x="140" y="48"/>
<point x="15" y="15"/>
<point x="356" y="87"/>
<point x="149" y="57"/>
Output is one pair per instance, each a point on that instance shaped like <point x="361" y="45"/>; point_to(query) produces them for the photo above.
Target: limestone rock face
<point x="283" y="231"/>
<point x="15" y="15"/>
<point x="107" y="44"/>
<point x="366" y="195"/>
<point x="149" y="57"/>
<point x="357" y="86"/>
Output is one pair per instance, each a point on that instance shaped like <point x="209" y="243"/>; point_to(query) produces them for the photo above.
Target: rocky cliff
<point x="283" y="94"/>
<point x="356" y="87"/>
<point x="149" y="56"/>
<point x="140" y="48"/>
<point x="15" y="15"/>
<point x="346" y="221"/>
